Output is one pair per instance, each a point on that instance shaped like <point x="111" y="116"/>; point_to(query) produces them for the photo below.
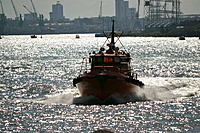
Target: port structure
<point x="162" y="11"/>
<point x="40" y="19"/>
<point x="2" y="19"/>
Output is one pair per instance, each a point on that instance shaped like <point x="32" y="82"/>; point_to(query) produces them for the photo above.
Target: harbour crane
<point x="16" y="14"/>
<point x="34" y="7"/>
<point x="18" y="17"/>
<point x="2" y="10"/>
<point x="2" y="19"/>
<point x="33" y="14"/>
<point x="39" y="20"/>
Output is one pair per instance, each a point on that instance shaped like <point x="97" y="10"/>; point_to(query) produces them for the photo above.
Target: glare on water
<point x="36" y="91"/>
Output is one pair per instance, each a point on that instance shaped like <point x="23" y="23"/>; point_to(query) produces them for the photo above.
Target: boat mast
<point x="113" y="34"/>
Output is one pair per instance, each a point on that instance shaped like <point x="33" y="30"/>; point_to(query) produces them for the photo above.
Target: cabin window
<point x="116" y="59"/>
<point x="125" y="59"/>
<point x="97" y="60"/>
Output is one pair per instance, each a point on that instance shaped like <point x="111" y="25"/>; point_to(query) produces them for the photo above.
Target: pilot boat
<point x="107" y="73"/>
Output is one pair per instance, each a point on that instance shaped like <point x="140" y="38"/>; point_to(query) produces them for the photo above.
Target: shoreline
<point x="102" y="35"/>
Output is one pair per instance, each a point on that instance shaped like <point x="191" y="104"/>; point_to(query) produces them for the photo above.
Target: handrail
<point x="84" y="63"/>
<point x="85" y="68"/>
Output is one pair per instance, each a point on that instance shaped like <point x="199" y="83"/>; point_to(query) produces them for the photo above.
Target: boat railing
<point x="85" y="65"/>
<point x="106" y="68"/>
<point x="134" y="75"/>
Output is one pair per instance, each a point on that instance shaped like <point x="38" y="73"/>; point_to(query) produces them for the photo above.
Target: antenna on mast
<point x="113" y="32"/>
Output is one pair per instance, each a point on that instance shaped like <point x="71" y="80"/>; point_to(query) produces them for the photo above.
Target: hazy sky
<point x="85" y="8"/>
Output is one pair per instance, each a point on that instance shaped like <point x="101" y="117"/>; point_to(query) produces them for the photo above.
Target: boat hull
<point x="106" y="85"/>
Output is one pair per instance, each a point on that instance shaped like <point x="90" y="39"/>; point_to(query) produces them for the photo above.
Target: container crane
<point x="2" y="19"/>
<point x="2" y="7"/>
<point x="33" y="7"/>
<point x="18" y="17"/>
<point x="39" y="20"/>
<point x="33" y="14"/>
<point x="16" y="14"/>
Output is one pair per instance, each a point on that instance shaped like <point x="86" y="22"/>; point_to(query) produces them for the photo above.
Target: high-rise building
<point x="122" y="10"/>
<point x="119" y="9"/>
<point x="126" y="8"/>
<point x="57" y="12"/>
<point x="125" y="16"/>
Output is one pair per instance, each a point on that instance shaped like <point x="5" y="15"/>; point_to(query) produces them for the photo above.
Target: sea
<point x="37" y="92"/>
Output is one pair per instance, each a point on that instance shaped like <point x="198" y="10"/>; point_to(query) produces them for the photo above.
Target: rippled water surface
<point x="36" y="91"/>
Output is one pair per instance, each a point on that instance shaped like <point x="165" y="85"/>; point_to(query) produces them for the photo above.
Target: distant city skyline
<point x="84" y="8"/>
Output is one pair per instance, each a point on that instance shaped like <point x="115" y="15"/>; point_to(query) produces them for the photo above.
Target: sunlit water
<point x="36" y="91"/>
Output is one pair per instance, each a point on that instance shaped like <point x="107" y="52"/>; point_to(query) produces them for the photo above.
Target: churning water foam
<point x="155" y="89"/>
